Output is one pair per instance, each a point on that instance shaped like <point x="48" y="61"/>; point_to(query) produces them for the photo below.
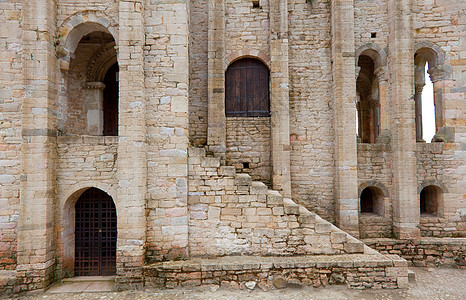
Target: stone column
<point x="216" y="130"/>
<point x="418" y="87"/>
<point x="94" y="99"/>
<point x="382" y="77"/>
<point x="406" y="212"/>
<point x="344" y="93"/>
<point x="279" y="97"/>
<point x="36" y="242"/>
<point x="132" y="147"/>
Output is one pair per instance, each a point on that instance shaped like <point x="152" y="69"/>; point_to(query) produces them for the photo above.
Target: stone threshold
<point x="354" y="270"/>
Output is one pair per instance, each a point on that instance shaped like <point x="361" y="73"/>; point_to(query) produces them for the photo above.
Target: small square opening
<point x="373" y="35"/>
<point x="255" y="3"/>
<point x="245" y="165"/>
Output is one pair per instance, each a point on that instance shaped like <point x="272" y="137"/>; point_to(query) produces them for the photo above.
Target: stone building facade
<point x="131" y="98"/>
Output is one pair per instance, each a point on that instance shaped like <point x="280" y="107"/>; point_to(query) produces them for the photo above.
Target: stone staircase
<point x="307" y="232"/>
<point x="240" y="230"/>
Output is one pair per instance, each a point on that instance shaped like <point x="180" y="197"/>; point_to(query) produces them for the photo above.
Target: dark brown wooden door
<point x="95" y="235"/>
<point x="247" y="89"/>
<point x="111" y="101"/>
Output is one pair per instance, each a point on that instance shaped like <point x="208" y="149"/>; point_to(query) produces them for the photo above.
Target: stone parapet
<point x="355" y="271"/>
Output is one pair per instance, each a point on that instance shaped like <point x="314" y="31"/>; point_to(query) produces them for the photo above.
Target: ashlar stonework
<point x="128" y="97"/>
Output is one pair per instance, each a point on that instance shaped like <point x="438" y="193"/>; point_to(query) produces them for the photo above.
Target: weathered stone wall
<point x="248" y="147"/>
<point x="198" y="38"/>
<point x="246" y="28"/>
<point x="166" y="89"/>
<point x="442" y="23"/>
<point x="11" y="93"/>
<point x="83" y="162"/>
<point x="311" y="115"/>
<point x="231" y="214"/>
<point x="439" y="164"/>
<point x="67" y="8"/>
<point x="362" y="272"/>
<point x="370" y="17"/>
<point x="424" y="252"/>
<point x="374" y="169"/>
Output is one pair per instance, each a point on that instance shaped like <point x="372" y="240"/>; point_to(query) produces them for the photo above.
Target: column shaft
<point x="279" y="92"/>
<point x="406" y="212"/>
<point x="344" y="93"/>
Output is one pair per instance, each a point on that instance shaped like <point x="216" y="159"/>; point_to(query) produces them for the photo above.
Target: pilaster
<point x="132" y="146"/>
<point x="216" y="131"/>
<point x="406" y="212"/>
<point x="279" y="97"/>
<point x="36" y="244"/>
<point x="344" y="93"/>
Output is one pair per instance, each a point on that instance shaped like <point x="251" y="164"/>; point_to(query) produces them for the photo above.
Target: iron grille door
<point x="95" y="234"/>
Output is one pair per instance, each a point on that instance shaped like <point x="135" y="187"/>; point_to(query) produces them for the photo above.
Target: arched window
<point x="110" y="105"/>
<point x="371" y="201"/>
<point x="428" y="108"/>
<point x="247" y="89"/>
<point x="368" y="107"/>
<point x="430" y="198"/>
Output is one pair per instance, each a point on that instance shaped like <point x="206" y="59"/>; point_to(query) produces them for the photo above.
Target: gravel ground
<point x="431" y="283"/>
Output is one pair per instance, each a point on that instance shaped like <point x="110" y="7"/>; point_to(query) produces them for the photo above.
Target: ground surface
<point x="431" y="283"/>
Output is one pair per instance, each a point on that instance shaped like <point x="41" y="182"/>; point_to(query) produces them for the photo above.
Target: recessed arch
<point x="246" y="53"/>
<point x="430" y="200"/>
<point x="68" y="215"/>
<point x="75" y="27"/>
<point x="375" y="52"/>
<point x="101" y="62"/>
<point x="372" y="200"/>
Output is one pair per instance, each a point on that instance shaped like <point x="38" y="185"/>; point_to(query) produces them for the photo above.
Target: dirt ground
<point x="431" y="283"/>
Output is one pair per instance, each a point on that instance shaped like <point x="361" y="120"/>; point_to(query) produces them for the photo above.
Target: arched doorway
<point x="95" y="234"/>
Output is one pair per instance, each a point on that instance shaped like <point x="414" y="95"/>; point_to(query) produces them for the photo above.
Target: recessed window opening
<point x="245" y="165"/>
<point x="255" y="3"/>
<point x="367" y="86"/>
<point x="110" y="104"/>
<point x="247" y="89"/>
<point x="428" y="108"/>
<point x="429" y="200"/>
<point x="372" y="201"/>
<point x="373" y="35"/>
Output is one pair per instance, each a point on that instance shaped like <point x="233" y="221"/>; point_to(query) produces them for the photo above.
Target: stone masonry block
<point x="243" y="179"/>
<point x="338" y="237"/>
<point x="210" y="162"/>
<point x="274" y="198"/>
<point x="228" y="171"/>
<point x="323" y="227"/>
<point x="354" y="247"/>
<point x="258" y="188"/>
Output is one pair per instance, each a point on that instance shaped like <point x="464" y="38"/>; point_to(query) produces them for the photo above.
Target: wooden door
<point x="247" y="89"/>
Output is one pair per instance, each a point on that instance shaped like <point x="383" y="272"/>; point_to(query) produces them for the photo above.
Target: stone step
<point x="274" y="198"/>
<point x="306" y="218"/>
<point x="291" y="208"/>
<point x="258" y="188"/>
<point x="84" y="284"/>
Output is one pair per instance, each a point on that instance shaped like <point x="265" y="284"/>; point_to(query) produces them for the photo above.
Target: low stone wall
<point x="433" y="226"/>
<point x="356" y="271"/>
<point x="374" y="226"/>
<point x="424" y="252"/>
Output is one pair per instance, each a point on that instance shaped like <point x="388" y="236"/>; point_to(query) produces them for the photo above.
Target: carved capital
<point x="94" y="85"/>
<point x="381" y="73"/>
<point x="357" y="70"/>
<point x="419" y="87"/>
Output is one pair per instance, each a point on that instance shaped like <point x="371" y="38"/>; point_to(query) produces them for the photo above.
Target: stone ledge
<point x="359" y="270"/>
